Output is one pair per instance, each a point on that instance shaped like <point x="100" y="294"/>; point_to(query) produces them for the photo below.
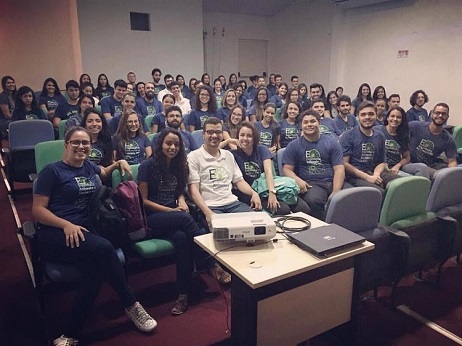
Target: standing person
<point x="230" y="138"/>
<point x="417" y="100"/>
<point x="256" y="110"/>
<point x="148" y="104"/>
<point x="129" y="142"/>
<point x="60" y="206"/>
<point x="345" y="120"/>
<point x="103" y="88"/>
<point x="156" y="73"/>
<point x="162" y="181"/>
<point x="83" y="103"/>
<point x="158" y="122"/>
<point x="228" y="101"/>
<point x="112" y="106"/>
<point x="332" y="108"/>
<point x="316" y="163"/>
<point x="205" y="107"/>
<point x="290" y="128"/>
<point x="268" y="128"/>
<point x="7" y="104"/>
<point x="212" y="174"/>
<point x="67" y="110"/>
<point x="26" y="107"/>
<point x="364" y="94"/>
<point x="254" y="159"/>
<point x="50" y="97"/>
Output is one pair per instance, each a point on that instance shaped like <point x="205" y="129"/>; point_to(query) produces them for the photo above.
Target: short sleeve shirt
<point x="252" y="166"/>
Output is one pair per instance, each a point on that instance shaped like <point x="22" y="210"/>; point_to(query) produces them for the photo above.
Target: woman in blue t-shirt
<point x="256" y="110"/>
<point x="364" y="94"/>
<point x="269" y="129"/>
<point x="50" y="97"/>
<point x="26" y="106"/>
<point x="205" y="107"/>
<point x="254" y="159"/>
<point x="103" y="89"/>
<point x="130" y="142"/>
<point x="7" y="104"/>
<point x="60" y="206"/>
<point x="236" y="116"/>
<point x="228" y="101"/>
<point x="290" y="128"/>
<point x="158" y="122"/>
<point x="162" y="181"/>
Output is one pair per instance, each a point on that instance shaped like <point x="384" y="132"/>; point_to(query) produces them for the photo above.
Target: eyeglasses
<point x="204" y="95"/>
<point x="76" y="143"/>
<point x="213" y="132"/>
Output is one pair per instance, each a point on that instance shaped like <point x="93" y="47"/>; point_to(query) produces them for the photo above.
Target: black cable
<point x="280" y="222"/>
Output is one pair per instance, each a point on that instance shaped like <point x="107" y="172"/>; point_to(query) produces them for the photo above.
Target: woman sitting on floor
<point x="60" y="206"/>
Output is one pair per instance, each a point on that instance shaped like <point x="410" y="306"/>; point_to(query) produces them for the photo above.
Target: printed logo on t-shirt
<point x="392" y="147"/>
<point x="105" y="94"/>
<point x="219" y="176"/>
<point x="266" y="139"/>
<point x="31" y="117"/>
<point x="86" y="187"/>
<point x="291" y="133"/>
<point x="203" y="118"/>
<point x="367" y="152"/>
<point x="95" y="156"/>
<point x="252" y="169"/>
<point x="166" y="191"/>
<point x="314" y="162"/>
<point x="132" y="151"/>
<point x="52" y="104"/>
<point x="425" y="150"/>
<point x="117" y="110"/>
<point x="151" y="110"/>
<point x="323" y="129"/>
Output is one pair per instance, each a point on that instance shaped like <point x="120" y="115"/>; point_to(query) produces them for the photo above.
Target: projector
<point x="248" y="227"/>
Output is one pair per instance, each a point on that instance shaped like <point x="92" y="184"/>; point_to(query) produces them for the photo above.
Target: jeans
<point x="97" y="260"/>
<point x="419" y="169"/>
<point x="180" y="228"/>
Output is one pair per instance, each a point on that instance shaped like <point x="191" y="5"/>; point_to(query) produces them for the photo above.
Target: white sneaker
<point x="64" y="341"/>
<point x="142" y="320"/>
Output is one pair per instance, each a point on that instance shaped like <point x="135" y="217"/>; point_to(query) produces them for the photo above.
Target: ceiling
<point x="266" y="8"/>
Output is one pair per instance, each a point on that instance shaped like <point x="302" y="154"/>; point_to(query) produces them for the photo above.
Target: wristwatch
<point x="273" y="191"/>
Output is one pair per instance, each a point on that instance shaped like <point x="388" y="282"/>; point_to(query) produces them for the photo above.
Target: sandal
<point x="222" y="276"/>
<point x="180" y="307"/>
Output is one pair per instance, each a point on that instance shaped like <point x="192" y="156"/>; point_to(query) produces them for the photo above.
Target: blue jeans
<point x="97" y="260"/>
<point x="419" y="169"/>
<point x="180" y="228"/>
<point x="235" y="207"/>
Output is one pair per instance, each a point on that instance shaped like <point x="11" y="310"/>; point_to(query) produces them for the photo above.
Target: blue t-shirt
<point x="157" y="89"/>
<point x="393" y="150"/>
<point x="252" y="92"/>
<point x="65" y="110"/>
<point x="268" y="135"/>
<point x="243" y="101"/>
<point x="111" y="105"/>
<point x="159" y="120"/>
<point x="277" y="100"/>
<point x="4" y="100"/>
<point x="223" y="114"/>
<point x="419" y="115"/>
<point x="134" y="150"/>
<point x="34" y="114"/>
<point x="115" y="120"/>
<point x="289" y="132"/>
<point x="329" y="127"/>
<point x="51" y="103"/>
<point x="69" y="189"/>
<point x="165" y="193"/>
<point x="314" y="161"/>
<point x="345" y="125"/>
<point x="425" y="147"/>
<point x="188" y="141"/>
<point x="252" y="166"/>
<point x="100" y="93"/>
<point x="146" y="108"/>
<point x="198" y="117"/>
<point x="365" y="152"/>
<point x="97" y="152"/>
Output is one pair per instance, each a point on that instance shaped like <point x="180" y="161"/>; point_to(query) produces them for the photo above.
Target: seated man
<point x="316" y="163"/>
<point x="364" y="151"/>
<point x="212" y="173"/>
<point x="430" y="140"/>
<point x="328" y="125"/>
<point x="345" y="120"/>
<point x="111" y="106"/>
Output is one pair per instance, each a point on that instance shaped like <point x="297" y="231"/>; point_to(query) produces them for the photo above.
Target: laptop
<point x="324" y="240"/>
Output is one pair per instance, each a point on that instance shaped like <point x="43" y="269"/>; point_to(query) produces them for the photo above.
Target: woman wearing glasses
<point x="62" y="193"/>
<point x="206" y="106"/>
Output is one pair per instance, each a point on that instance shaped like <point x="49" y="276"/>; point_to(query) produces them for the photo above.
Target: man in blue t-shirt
<point x="345" y="120"/>
<point x="112" y="105"/>
<point x="364" y="151"/>
<point x="148" y="105"/>
<point x="328" y="126"/>
<point x="417" y="112"/>
<point x="66" y="110"/>
<point x="430" y="140"/>
<point x="156" y="74"/>
<point x="315" y="162"/>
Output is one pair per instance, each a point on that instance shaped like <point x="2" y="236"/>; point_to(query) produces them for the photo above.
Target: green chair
<point x="148" y="121"/>
<point x="62" y="129"/>
<point x="151" y="136"/>
<point x="150" y="248"/>
<point x="48" y="152"/>
<point x="277" y="115"/>
<point x="431" y="237"/>
<point x="457" y="135"/>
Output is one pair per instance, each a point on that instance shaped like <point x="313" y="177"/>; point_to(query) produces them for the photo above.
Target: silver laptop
<point x="323" y="241"/>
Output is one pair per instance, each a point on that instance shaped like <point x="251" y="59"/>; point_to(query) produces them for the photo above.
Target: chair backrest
<point x="117" y="178"/>
<point x="446" y="189"/>
<point x="25" y="134"/>
<point x="405" y="197"/>
<point x="148" y="121"/>
<point x="279" y="154"/>
<point x="62" y="128"/>
<point x="356" y="209"/>
<point x="457" y="135"/>
<point x="198" y="137"/>
<point x="48" y="152"/>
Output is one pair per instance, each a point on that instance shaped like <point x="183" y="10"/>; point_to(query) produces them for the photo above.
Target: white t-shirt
<point x="215" y="176"/>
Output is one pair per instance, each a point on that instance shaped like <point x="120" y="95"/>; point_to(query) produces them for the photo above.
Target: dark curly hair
<point x="402" y="132"/>
<point x="178" y="165"/>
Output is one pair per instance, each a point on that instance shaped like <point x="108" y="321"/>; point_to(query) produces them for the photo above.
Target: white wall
<point x="109" y="46"/>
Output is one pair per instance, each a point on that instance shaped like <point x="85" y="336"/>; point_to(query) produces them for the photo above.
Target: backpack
<point x="286" y="188"/>
<point x="128" y="199"/>
<point x="105" y="219"/>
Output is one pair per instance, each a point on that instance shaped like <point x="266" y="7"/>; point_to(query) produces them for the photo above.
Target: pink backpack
<point x="129" y="201"/>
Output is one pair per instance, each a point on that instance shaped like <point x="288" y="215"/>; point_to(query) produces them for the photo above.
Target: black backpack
<point x="105" y="218"/>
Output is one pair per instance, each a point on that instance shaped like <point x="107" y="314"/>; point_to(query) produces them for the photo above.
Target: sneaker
<point x="181" y="305"/>
<point x="64" y="341"/>
<point x="141" y="318"/>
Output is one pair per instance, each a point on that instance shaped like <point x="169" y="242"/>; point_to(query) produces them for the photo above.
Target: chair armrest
<point x="28" y="230"/>
<point x="399" y="247"/>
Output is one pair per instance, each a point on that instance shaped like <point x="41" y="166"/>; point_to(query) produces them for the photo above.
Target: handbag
<point x="286" y="188"/>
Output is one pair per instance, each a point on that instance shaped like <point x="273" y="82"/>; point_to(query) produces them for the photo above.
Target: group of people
<point x="329" y="142"/>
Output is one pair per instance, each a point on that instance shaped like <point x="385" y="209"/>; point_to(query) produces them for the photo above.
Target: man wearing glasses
<point x="430" y="140"/>
<point x="212" y="173"/>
